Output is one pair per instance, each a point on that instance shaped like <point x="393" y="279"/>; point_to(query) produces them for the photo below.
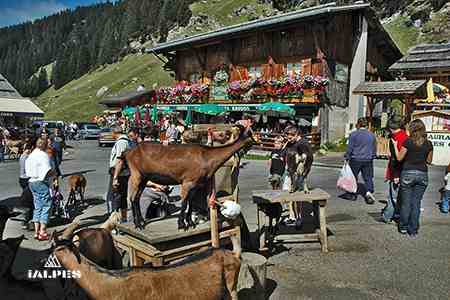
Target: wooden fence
<point x="268" y="141"/>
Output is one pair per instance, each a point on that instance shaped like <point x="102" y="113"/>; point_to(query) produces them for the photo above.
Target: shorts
<point x="119" y="196"/>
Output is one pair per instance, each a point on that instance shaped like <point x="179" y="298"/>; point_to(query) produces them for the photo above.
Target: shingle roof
<point x="7" y="90"/>
<point x="20" y="106"/>
<point x="427" y="56"/>
<point x="385" y="88"/>
<point x="230" y="31"/>
<point x="123" y="98"/>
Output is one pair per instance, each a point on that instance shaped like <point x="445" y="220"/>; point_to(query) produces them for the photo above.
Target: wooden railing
<point x="268" y="141"/>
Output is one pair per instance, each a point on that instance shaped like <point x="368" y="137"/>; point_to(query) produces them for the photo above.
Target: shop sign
<point x="439" y="139"/>
<point x="6" y="114"/>
<point x="441" y="147"/>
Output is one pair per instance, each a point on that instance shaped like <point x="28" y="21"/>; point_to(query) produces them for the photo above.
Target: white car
<point x="89" y="131"/>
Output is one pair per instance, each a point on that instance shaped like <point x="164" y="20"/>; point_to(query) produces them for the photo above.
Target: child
<point x="277" y="165"/>
<point x="446" y="192"/>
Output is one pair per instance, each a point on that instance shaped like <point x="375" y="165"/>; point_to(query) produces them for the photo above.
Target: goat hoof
<point x="182" y="225"/>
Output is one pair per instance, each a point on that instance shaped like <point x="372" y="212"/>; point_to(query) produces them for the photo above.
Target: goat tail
<point x="112" y="221"/>
<point x="68" y="232"/>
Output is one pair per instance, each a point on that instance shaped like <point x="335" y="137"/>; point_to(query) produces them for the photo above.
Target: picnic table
<point x="317" y="197"/>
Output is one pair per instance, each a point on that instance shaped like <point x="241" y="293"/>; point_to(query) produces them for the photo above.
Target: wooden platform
<point x="161" y="242"/>
<point x="318" y="198"/>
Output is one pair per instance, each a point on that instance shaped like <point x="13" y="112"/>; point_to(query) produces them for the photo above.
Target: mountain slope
<point x="78" y="99"/>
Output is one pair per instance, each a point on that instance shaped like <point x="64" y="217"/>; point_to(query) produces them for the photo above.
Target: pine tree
<point x="42" y="81"/>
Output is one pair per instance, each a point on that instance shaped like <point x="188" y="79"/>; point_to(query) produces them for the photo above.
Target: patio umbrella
<point x="210" y="109"/>
<point x="165" y="110"/>
<point x="276" y="107"/>
<point x="188" y="120"/>
<point x="129" y="111"/>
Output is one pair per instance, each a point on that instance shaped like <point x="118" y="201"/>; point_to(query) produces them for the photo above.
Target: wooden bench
<point x="318" y="198"/>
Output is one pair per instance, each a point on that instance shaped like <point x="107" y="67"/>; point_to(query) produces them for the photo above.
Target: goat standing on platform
<point x="192" y="166"/>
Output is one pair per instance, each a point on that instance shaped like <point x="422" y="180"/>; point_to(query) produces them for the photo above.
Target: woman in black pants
<point x="415" y="153"/>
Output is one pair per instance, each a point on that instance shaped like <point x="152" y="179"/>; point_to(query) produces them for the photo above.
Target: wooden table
<point x="317" y="197"/>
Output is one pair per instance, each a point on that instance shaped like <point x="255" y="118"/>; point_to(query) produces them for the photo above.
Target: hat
<point x="395" y="122"/>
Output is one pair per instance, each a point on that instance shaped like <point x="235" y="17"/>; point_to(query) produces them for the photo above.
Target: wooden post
<point x="370" y="106"/>
<point x="252" y="277"/>
<point x="214" y="226"/>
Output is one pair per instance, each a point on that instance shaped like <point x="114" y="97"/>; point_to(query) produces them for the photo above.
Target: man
<point x="134" y="137"/>
<point x="391" y="210"/>
<point x="172" y="133"/>
<point x="119" y="173"/>
<point x="38" y="169"/>
<point x="2" y="146"/>
<point x="154" y="193"/>
<point x="361" y="151"/>
<point x="26" y="197"/>
<point x="58" y="143"/>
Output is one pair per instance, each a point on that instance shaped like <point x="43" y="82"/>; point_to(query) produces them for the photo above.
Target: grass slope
<point x="77" y="100"/>
<point x="403" y="35"/>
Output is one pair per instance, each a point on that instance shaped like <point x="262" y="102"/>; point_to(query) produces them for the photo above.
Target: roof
<point x="281" y="19"/>
<point x="444" y="113"/>
<point x="19" y="107"/>
<point x="6" y="89"/>
<point x="426" y="56"/>
<point x="386" y="88"/>
<point x="124" y="98"/>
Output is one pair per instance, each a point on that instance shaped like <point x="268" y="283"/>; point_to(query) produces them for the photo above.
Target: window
<point x="341" y="72"/>
<point x="294" y="69"/>
<point x="254" y="72"/>
<point x="194" y="77"/>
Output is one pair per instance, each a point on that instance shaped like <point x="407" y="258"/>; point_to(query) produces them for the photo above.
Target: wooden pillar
<point x="370" y="106"/>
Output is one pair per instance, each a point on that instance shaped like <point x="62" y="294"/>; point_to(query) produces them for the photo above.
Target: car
<point x="89" y="131"/>
<point x="106" y="137"/>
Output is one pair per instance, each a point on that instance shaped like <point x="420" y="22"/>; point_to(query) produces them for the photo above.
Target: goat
<point x="10" y="287"/>
<point x="96" y="244"/>
<point x="273" y="211"/>
<point x="207" y="276"/>
<point x="193" y="166"/>
<point x="77" y="184"/>
<point x="299" y="158"/>
<point x="5" y="214"/>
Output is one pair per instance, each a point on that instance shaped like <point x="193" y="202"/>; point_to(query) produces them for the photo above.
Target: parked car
<point x="106" y="138"/>
<point x="89" y="131"/>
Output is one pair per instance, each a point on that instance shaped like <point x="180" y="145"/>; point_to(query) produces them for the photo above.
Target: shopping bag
<point x="347" y="181"/>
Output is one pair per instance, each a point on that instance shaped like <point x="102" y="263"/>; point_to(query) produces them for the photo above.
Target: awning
<point x="19" y="107"/>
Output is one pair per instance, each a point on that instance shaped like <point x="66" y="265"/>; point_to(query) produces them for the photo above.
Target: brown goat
<point x="77" y="184"/>
<point x="208" y="276"/>
<point x="193" y="166"/>
<point x="96" y="244"/>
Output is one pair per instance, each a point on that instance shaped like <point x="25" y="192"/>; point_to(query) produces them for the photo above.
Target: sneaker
<point x="413" y="236"/>
<point x="370" y="199"/>
<point x="403" y="231"/>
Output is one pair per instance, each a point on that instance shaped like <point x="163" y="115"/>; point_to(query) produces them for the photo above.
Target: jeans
<point x="2" y="153"/>
<point x="366" y="168"/>
<point x="392" y="208"/>
<point x="445" y="201"/>
<point x="42" y="201"/>
<point x="413" y="184"/>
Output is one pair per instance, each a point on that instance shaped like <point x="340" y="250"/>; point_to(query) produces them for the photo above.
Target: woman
<point x="416" y="152"/>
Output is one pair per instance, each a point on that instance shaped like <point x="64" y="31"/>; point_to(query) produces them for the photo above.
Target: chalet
<point x="346" y="45"/>
<point x="425" y="62"/>
<point x="14" y="109"/>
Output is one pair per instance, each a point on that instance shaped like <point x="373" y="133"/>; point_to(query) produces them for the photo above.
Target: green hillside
<point x="77" y="100"/>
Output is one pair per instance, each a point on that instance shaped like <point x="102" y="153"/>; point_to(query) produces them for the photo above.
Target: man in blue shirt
<point x="361" y="151"/>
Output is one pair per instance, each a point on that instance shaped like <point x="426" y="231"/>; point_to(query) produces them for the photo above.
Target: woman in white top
<point x="38" y="169"/>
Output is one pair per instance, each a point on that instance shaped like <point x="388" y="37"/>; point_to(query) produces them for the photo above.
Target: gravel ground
<point x="367" y="259"/>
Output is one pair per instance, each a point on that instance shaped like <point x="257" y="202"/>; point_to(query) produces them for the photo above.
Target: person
<point x="361" y="151"/>
<point x="26" y="197"/>
<point x="444" y="206"/>
<point x="154" y="193"/>
<point x="58" y="141"/>
<point x="277" y="165"/>
<point x="119" y="173"/>
<point x="38" y="169"/>
<point x="2" y="146"/>
<point x="134" y="137"/>
<point x="416" y="152"/>
<point x="172" y="133"/>
<point x="391" y="210"/>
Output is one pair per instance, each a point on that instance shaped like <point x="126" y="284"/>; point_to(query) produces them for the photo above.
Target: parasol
<point x="154" y="116"/>
<point x="210" y="109"/>
<point x="276" y="107"/>
<point x="188" y="120"/>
